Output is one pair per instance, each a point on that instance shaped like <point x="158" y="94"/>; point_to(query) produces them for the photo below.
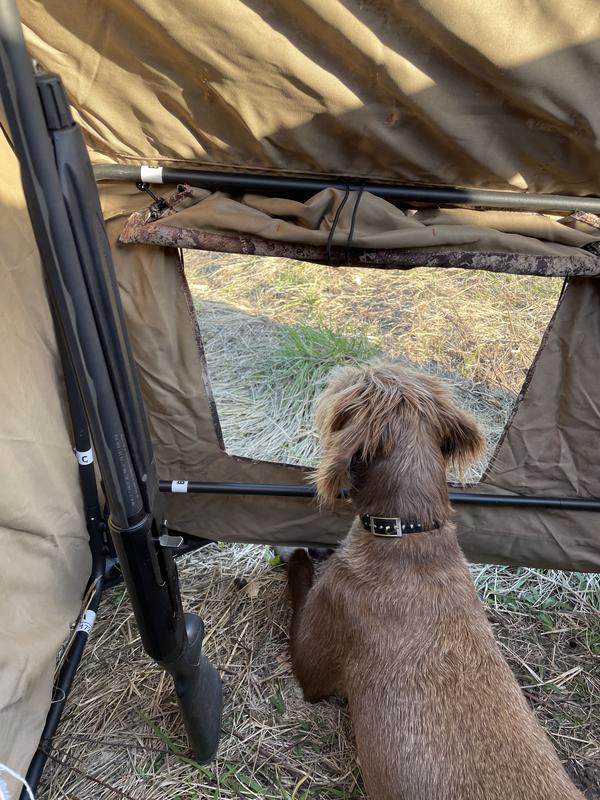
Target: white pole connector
<point x="151" y="174"/>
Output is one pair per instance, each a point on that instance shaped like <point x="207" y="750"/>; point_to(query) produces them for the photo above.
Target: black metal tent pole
<point x="95" y="585"/>
<point x="299" y="490"/>
<point x="303" y="188"/>
<point x="64" y="209"/>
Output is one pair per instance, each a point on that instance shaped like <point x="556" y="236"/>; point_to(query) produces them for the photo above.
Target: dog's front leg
<point x="312" y="634"/>
<point x="300" y="575"/>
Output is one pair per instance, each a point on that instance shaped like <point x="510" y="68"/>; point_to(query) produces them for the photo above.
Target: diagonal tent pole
<point x="65" y="212"/>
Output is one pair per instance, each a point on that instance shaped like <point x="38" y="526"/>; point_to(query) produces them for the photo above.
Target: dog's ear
<point x="461" y="440"/>
<point x="342" y="437"/>
<point x="334" y="471"/>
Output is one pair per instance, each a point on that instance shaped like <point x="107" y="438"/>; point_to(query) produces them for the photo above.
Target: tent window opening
<point x="272" y="330"/>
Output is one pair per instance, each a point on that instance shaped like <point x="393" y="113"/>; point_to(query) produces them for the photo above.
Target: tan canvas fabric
<point x="492" y="97"/>
<point x="369" y="223"/>
<point x="496" y="94"/>
<point x="43" y="540"/>
<point x="379" y="224"/>
<point x="550" y="448"/>
<point x="174" y="380"/>
<point x="547" y="450"/>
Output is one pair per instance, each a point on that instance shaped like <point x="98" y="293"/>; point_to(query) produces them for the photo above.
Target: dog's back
<point x="437" y="711"/>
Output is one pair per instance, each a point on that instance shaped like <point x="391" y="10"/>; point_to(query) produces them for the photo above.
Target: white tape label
<point x="87" y="621"/>
<point x="86" y="457"/>
<point x="179" y="486"/>
<point x="151" y="174"/>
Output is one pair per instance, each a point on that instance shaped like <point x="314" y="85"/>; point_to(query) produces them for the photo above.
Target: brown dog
<point x="394" y="623"/>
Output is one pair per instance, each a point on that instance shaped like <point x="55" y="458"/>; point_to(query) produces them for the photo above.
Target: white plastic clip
<point x="151" y="174"/>
<point x="84" y="458"/>
<point x="168" y="540"/>
<point x="87" y="621"/>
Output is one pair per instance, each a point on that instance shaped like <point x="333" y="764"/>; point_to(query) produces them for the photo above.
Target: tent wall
<point x="181" y="412"/>
<point x="367" y="230"/>
<point x="499" y="96"/>
<point x="43" y="538"/>
<point x="496" y="95"/>
<point x="548" y="449"/>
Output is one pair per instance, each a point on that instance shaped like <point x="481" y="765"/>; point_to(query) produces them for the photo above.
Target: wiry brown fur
<point x="395" y="625"/>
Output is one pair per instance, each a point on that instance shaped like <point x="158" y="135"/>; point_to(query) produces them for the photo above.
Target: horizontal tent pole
<point x="291" y="490"/>
<point x="283" y="186"/>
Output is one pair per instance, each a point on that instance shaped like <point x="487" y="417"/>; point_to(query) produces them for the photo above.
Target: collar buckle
<point x="387" y="532"/>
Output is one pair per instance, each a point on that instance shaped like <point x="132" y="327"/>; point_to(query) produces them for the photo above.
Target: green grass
<point x="301" y="361"/>
<point x="302" y="349"/>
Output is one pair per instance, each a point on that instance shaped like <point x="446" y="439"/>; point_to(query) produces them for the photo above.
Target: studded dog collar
<point x="394" y="527"/>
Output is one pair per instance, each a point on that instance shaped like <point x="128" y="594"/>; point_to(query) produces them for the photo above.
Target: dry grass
<point x="548" y="627"/>
<point x="121" y="736"/>
<point x="479" y="331"/>
<point x="479" y="326"/>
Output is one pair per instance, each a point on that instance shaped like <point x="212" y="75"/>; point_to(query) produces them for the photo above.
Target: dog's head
<point x="367" y="413"/>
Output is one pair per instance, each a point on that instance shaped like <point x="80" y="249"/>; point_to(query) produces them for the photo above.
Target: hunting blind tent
<point x="429" y="133"/>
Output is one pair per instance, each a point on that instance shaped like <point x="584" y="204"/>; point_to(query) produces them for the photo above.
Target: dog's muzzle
<point x="394" y="527"/>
